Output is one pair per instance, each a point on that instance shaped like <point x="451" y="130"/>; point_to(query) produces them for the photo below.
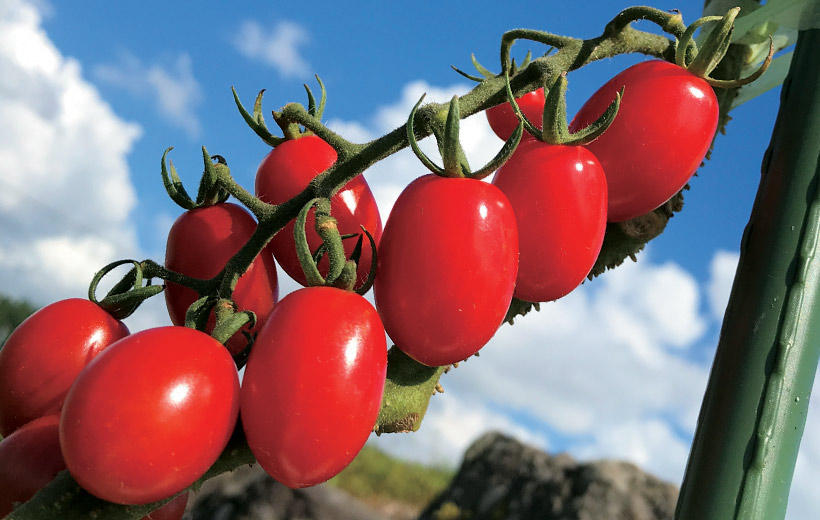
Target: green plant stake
<point x="755" y="407"/>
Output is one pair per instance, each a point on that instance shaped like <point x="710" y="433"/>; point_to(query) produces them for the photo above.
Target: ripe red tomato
<point x="447" y="267"/>
<point x="200" y="242"/>
<point x="285" y="172"/>
<point x="558" y="194"/>
<point x="30" y="458"/>
<point x="502" y="117"/>
<point x="150" y="415"/>
<point x="44" y="354"/>
<point x="663" y="129"/>
<point x="313" y="384"/>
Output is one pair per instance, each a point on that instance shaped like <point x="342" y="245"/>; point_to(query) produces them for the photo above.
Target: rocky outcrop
<point x="500" y="478"/>
<point x="250" y="494"/>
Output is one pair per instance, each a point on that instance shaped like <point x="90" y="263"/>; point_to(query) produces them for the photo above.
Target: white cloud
<point x="172" y="85"/>
<point x="65" y="193"/>
<point x="722" y="273"/>
<point x="279" y="47"/>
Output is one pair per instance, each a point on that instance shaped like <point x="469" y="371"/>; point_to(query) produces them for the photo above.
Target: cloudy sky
<point x="90" y="96"/>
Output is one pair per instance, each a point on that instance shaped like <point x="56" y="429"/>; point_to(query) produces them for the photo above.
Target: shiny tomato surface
<point x="44" y="355"/>
<point x="502" y="117"/>
<point x="30" y="458"/>
<point x="200" y="243"/>
<point x="666" y="122"/>
<point x="285" y="172"/>
<point x="313" y="384"/>
<point x="558" y="194"/>
<point x="150" y="415"/>
<point x="447" y="267"/>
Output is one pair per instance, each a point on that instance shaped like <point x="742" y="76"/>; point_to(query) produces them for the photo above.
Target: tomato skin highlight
<point x="30" y="458"/>
<point x="150" y="415"/>
<point x="200" y="243"/>
<point x="559" y="196"/>
<point x="447" y="268"/>
<point x="313" y="385"/>
<point x="45" y="353"/>
<point x="503" y="120"/>
<point x="666" y="122"/>
<point x="285" y="172"/>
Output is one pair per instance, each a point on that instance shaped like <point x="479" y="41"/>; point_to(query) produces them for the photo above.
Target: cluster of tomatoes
<point x="139" y="417"/>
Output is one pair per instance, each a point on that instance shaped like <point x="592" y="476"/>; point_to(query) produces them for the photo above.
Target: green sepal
<point x="313" y="109"/>
<point x="480" y="68"/>
<point x="407" y="392"/>
<point x="257" y="120"/>
<point x="230" y="320"/>
<point x="173" y="184"/>
<point x="196" y="317"/>
<point x="371" y="275"/>
<point x="531" y="128"/>
<point x="716" y="44"/>
<point x="210" y="192"/>
<point x="414" y="145"/>
<point x="127" y="294"/>
<point x="455" y="162"/>
<point x="466" y="75"/>
<point x="309" y="267"/>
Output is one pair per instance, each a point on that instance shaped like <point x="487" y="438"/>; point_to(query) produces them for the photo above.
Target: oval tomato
<point x="666" y="122"/>
<point x="313" y="384"/>
<point x="502" y="117"/>
<point x="200" y="243"/>
<point x="44" y="355"/>
<point x="30" y="458"/>
<point x="150" y="415"/>
<point x="447" y="267"/>
<point x="558" y="194"/>
<point x="285" y="172"/>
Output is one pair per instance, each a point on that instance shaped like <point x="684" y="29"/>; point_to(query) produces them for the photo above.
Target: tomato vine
<point x="409" y="384"/>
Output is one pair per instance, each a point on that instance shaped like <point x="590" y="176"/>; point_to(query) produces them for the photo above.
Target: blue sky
<point x="91" y="93"/>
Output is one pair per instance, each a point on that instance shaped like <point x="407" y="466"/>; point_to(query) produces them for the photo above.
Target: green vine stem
<point x="409" y="385"/>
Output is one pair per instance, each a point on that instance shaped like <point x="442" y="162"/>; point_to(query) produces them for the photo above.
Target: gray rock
<point x="250" y="494"/>
<point x="500" y="478"/>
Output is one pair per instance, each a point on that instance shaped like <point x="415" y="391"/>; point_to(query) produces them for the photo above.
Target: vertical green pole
<point x="754" y="410"/>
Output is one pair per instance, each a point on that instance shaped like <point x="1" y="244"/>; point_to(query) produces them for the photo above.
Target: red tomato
<point x="285" y="172"/>
<point x="663" y="129"/>
<point x="447" y="267"/>
<point x="44" y="354"/>
<point x="150" y="415"/>
<point x="30" y="458"/>
<point x="313" y="385"/>
<point x="558" y="194"/>
<point x="200" y="243"/>
<point x="502" y="117"/>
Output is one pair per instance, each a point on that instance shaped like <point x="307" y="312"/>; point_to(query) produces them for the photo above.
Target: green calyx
<point x="555" y="129"/>
<point x="210" y="191"/>
<point x="290" y="129"/>
<point x="453" y="157"/>
<point x="714" y="49"/>
<point x="127" y="294"/>
<point x="486" y="74"/>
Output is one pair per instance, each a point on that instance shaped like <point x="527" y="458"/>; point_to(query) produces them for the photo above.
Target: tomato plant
<point x="45" y="353"/>
<point x="503" y="120"/>
<point x="664" y="127"/>
<point x="29" y="458"/>
<point x="200" y="242"/>
<point x="313" y="384"/>
<point x="285" y="172"/>
<point x="559" y="195"/>
<point x="447" y="267"/>
<point x="150" y="415"/>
